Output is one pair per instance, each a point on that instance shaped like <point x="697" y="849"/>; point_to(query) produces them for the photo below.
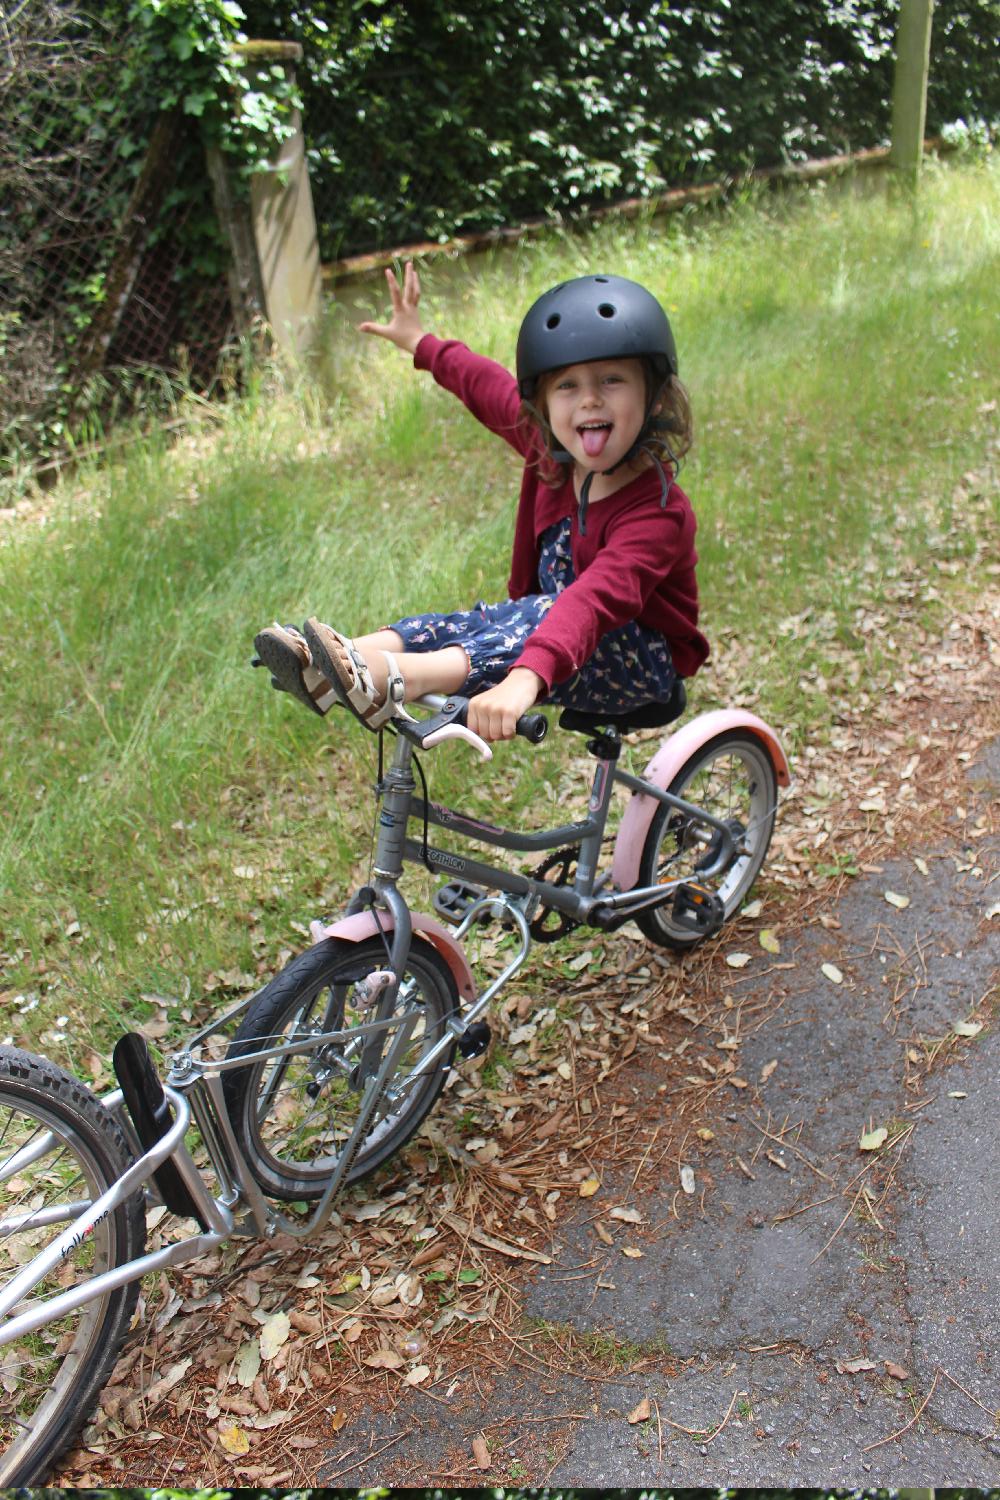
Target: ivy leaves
<point x="190" y="58"/>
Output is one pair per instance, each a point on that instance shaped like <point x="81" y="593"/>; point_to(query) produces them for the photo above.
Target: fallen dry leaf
<point x="768" y="1069"/>
<point x="273" y="1334"/>
<point x="768" y="941"/>
<point x="589" y="1186"/>
<point x="833" y="973"/>
<point x="895" y="899"/>
<point x="687" y="1179"/>
<point x="632" y="1252"/>
<point x="248" y="1364"/>
<point x="626" y="1215"/>
<point x="737" y="960"/>
<point x="160" y="1387"/>
<point x="642" y="1412"/>
<point x="602" y="1233"/>
<point x="234" y="1441"/>
<point x="384" y="1359"/>
<point x="873" y="1139"/>
<point x="854" y="1366"/>
<point x="417" y="1375"/>
<point x="967" y="1028"/>
<point x="481" y="1453"/>
<point x="896" y="1371"/>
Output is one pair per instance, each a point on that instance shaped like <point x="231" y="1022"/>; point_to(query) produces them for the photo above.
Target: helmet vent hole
<point x="553" y="320"/>
<point x="606" y="310"/>
<point x="602" y="279"/>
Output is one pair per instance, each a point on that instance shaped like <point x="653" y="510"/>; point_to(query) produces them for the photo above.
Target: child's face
<point x="596" y="410"/>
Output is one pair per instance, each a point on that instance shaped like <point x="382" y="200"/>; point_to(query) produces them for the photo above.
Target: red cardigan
<point x="636" y="560"/>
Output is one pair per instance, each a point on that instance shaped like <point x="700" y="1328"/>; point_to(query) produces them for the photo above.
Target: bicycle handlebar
<point x="452" y="710"/>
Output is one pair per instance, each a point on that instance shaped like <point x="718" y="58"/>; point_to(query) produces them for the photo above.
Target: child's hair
<point x="671" y="432"/>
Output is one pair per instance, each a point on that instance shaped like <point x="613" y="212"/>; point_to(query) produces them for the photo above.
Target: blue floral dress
<point x="631" y="665"/>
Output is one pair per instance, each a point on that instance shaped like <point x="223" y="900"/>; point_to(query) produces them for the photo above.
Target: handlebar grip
<point x="533" y="727"/>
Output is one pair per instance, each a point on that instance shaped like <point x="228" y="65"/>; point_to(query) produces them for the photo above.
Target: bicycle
<point x="337" y="1061"/>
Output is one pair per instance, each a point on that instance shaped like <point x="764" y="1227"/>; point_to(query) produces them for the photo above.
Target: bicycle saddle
<point x="645" y="716"/>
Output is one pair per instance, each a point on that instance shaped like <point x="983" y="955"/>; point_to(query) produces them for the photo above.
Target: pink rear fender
<point x="664" y="766"/>
<point x="363" y="925"/>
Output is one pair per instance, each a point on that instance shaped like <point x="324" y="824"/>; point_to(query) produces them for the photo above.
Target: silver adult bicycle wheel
<point x="59" y="1150"/>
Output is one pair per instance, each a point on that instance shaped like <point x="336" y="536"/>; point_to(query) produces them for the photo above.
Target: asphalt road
<point x="848" y="1343"/>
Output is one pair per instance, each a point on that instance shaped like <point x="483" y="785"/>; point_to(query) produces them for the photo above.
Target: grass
<point x="169" y="824"/>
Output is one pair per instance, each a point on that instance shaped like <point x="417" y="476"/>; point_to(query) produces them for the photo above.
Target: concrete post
<point x="909" y="93"/>
<point x="284" y="225"/>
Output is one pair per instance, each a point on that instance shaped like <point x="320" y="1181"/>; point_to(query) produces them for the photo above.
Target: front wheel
<point x="293" y="1115"/>
<point x="59" y="1150"/>
<point x="733" y="778"/>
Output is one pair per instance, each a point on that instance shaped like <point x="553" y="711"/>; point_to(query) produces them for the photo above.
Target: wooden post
<point x="246" y="290"/>
<point x="284" y="224"/>
<point x="909" y="93"/>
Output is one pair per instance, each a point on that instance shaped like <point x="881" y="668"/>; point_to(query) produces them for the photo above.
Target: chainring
<point x="558" y="869"/>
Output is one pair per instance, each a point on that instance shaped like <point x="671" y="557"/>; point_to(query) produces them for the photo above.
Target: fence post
<point x="283" y="221"/>
<point x="246" y="289"/>
<point x="909" y="91"/>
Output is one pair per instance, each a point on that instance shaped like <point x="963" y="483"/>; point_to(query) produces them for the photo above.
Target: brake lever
<point x="458" y="732"/>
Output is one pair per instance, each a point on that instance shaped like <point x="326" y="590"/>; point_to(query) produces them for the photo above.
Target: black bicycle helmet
<point x="592" y="317"/>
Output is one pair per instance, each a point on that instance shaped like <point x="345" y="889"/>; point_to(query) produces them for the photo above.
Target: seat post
<point x="606" y="747"/>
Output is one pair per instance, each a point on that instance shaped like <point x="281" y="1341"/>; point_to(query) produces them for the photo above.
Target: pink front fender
<point x="363" y="925"/>
<point x="662" y="769"/>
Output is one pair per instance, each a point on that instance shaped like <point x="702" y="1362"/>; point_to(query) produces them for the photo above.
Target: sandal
<point x="351" y="678"/>
<point x="283" y="650"/>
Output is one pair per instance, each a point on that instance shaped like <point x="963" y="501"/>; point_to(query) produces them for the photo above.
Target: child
<point x="603" y="607"/>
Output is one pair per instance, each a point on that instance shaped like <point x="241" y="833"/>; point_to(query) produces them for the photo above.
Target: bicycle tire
<point x="270" y="1100"/>
<point x="50" y="1379"/>
<point x="746" y="793"/>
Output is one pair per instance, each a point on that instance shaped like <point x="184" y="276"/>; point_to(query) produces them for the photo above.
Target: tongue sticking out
<point x="594" y="439"/>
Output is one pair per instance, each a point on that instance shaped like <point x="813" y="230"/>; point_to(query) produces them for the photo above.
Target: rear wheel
<point x="294" y="1115"/>
<point x="733" y="778"/>
<point x="59" y="1150"/>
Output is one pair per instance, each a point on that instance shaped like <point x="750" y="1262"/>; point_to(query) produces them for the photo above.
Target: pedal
<point x="698" y="908"/>
<point x="453" y="900"/>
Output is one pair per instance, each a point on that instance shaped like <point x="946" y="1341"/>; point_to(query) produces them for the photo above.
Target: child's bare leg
<point x="442" y="671"/>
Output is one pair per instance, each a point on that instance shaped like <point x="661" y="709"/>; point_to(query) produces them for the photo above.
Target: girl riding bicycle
<point x="603" y="603"/>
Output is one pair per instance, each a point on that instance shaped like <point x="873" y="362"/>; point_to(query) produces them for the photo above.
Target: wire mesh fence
<point x="72" y="154"/>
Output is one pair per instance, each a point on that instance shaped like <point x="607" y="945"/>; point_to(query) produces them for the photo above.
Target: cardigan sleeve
<point x="485" y="387"/>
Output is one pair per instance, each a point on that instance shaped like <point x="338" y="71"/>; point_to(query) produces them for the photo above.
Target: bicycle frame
<point x="400" y="805"/>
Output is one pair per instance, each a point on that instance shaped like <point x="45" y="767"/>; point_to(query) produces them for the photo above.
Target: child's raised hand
<point x="404" y="328"/>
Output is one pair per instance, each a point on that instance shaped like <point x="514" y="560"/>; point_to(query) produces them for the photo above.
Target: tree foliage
<point x="432" y="118"/>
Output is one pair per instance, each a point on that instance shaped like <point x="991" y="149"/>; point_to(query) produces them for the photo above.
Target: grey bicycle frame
<point x="194" y="1089"/>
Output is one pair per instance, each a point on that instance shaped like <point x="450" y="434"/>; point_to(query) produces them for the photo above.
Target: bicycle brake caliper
<point x="369" y="990"/>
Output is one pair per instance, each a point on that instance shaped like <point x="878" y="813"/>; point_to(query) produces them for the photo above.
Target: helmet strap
<point x="639" y="446"/>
